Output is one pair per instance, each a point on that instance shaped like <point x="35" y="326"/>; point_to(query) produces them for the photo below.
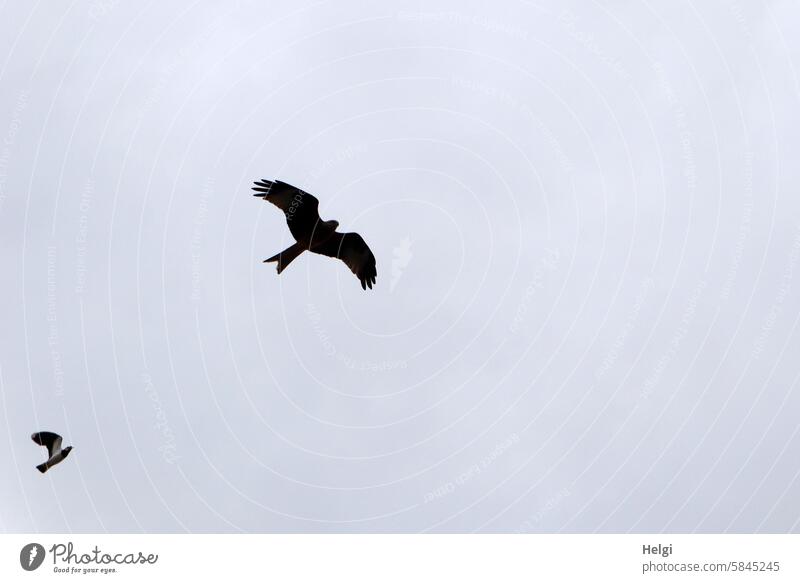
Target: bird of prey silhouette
<point x="52" y="441"/>
<point x="313" y="234"/>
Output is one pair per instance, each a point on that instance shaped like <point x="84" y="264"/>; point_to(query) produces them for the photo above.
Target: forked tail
<point x="285" y="257"/>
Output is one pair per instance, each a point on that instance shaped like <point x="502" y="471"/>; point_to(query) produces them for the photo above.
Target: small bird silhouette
<point x="52" y="441"/>
<point x="314" y="234"/>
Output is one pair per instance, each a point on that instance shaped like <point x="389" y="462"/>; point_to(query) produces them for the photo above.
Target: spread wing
<point x="300" y="208"/>
<point x="351" y="248"/>
<point x="52" y="441"/>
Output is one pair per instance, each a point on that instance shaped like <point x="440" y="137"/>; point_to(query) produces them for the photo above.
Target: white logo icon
<point x="401" y="257"/>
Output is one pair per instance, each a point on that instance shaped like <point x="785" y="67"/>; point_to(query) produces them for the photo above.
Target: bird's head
<point x="66" y="450"/>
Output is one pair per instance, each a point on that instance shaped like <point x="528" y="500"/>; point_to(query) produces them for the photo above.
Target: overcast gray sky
<point x="587" y="230"/>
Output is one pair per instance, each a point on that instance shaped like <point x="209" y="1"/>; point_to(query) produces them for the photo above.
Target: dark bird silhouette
<point x="314" y="234"/>
<point x="52" y="441"/>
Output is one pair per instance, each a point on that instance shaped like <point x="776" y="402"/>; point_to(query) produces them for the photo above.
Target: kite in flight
<point x="314" y="234"/>
<point x="52" y="441"/>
